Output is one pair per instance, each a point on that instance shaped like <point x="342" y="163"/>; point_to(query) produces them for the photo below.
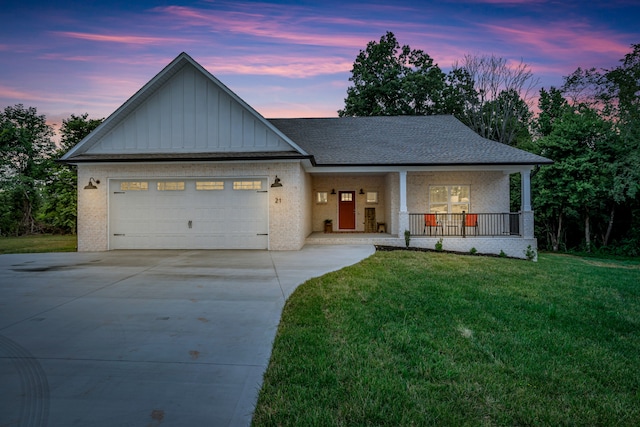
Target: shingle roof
<point x="399" y="140"/>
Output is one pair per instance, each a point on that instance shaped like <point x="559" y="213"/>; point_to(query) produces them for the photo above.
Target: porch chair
<point x="471" y="220"/>
<point x="431" y="220"/>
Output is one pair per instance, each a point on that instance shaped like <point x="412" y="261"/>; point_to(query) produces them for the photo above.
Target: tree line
<point x="37" y="194"/>
<point x="589" y="198"/>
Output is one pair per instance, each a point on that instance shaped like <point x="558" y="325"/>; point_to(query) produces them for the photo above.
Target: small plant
<point x="473" y="251"/>
<point x="328" y="221"/>
<point x="502" y="254"/>
<point x="439" y="245"/>
<point x="407" y="237"/>
<point x="530" y="253"/>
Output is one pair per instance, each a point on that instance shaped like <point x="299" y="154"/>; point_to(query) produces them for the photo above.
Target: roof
<point x="400" y="141"/>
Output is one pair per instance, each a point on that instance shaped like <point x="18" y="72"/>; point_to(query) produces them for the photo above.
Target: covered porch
<point x="463" y="208"/>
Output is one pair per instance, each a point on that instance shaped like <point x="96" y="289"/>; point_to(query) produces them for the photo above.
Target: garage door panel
<point x="188" y="218"/>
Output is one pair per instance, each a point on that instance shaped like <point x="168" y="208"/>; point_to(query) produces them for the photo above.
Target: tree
<point x="459" y="93"/>
<point x="26" y="149"/>
<point x="576" y="186"/>
<point x="59" y="210"/>
<point x="614" y="93"/>
<point x="74" y="129"/>
<point x="392" y="80"/>
<point x="501" y="110"/>
<point x="552" y="106"/>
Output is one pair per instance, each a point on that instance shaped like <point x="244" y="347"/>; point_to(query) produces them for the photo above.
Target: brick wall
<point x="289" y="219"/>
<point x="489" y="191"/>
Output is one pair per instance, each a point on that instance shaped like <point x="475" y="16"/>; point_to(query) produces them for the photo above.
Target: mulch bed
<point x="384" y="248"/>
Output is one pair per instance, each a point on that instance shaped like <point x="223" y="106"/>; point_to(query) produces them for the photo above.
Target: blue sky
<point x="285" y="58"/>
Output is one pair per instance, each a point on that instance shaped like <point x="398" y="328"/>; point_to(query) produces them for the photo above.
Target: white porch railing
<point x="465" y="224"/>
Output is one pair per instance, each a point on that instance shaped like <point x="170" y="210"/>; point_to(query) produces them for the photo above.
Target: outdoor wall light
<point x="361" y="191"/>
<point x="92" y="184"/>
<point x="276" y="182"/>
<point x="333" y="191"/>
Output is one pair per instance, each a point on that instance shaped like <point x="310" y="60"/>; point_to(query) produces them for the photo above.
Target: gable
<point x="182" y="110"/>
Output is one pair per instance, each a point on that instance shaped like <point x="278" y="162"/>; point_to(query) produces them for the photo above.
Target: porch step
<point x="319" y="238"/>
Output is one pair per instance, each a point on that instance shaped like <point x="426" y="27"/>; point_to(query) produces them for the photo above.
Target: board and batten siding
<point x="190" y="114"/>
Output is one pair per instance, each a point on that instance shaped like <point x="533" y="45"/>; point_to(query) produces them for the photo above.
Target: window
<point x="448" y="198"/>
<point x="209" y="185"/>
<point x="346" y="197"/>
<point x="171" y="186"/>
<point x="134" y="186"/>
<point x="372" y="197"/>
<point x="247" y="185"/>
<point x="322" y="197"/>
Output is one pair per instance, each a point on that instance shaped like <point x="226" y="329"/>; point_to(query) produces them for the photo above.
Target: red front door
<point x="347" y="210"/>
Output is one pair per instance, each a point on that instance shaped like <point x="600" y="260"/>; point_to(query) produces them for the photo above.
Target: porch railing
<point x="465" y="224"/>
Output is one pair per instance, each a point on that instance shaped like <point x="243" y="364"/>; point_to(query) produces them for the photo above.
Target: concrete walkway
<point x="145" y="338"/>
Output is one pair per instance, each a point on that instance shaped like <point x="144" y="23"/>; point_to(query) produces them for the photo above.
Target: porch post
<point x="526" y="190"/>
<point x="403" y="215"/>
<point x="526" y="213"/>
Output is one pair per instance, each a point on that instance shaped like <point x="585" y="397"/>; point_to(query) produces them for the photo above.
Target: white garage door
<point x="206" y="213"/>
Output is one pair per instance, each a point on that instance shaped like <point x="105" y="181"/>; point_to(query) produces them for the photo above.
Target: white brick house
<point x="186" y="164"/>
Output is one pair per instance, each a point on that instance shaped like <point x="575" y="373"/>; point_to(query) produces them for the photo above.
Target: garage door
<point x="206" y="213"/>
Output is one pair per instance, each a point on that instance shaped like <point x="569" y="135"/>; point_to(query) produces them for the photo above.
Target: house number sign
<point x="278" y="200"/>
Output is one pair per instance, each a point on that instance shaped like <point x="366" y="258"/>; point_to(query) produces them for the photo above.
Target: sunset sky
<point x="284" y="58"/>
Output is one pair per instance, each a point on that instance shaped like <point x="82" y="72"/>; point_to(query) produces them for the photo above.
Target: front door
<point x="347" y="210"/>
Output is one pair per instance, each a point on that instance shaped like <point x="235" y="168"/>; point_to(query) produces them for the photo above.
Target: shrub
<point x="530" y="253"/>
<point x="439" y="245"/>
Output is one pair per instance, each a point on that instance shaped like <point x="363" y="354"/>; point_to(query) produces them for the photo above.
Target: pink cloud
<point x="258" y="25"/>
<point x="146" y="60"/>
<point x="560" y="40"/>
<point x="124" y="39"/>
<point x="11" y="93"/>
<point x="278" y="65"/>
<point x="287" y="110"/>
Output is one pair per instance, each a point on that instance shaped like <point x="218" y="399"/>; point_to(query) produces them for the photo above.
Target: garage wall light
<point x="92" y="184"/>
<point x="276" y="182"/>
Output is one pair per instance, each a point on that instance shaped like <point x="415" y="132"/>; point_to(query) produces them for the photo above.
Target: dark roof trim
<point x="189" y="157"/>
<point x="350" y="165"/>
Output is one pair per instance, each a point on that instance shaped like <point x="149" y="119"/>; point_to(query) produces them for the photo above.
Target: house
<point x="186" y="164"/>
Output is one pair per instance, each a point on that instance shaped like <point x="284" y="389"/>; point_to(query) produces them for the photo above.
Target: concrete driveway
<point x="145" y="338"/>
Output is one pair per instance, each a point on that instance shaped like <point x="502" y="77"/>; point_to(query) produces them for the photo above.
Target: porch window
<point x="449" y="198"/>
<point x="322" y="197"/>
<point x="372" y="197"/>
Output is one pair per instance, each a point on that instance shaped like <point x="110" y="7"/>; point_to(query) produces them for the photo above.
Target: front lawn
<point x="38" y="243"/>
<point x="411" y="338"/>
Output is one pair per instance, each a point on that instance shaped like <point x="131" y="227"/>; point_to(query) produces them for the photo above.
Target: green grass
<point x="410" y="339"/>
<point x="38" y="243"/>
